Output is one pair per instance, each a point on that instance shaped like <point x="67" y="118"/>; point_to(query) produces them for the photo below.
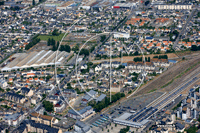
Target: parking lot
<point x="134" y="104"/>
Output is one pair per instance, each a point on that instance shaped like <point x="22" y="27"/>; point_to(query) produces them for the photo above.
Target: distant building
<point x="121" y="35"/>
<point x="87" y="5"/>
<point x="3" y="83"/>
<point x="14" y="97"/>
<point x="124" y="5"/>
<point x="174" y="7"/>
<point x="69" y="93"/>
<point x="65" y="6"/>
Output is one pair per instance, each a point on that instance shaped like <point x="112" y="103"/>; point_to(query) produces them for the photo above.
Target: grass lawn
<point x="46" y="37"/>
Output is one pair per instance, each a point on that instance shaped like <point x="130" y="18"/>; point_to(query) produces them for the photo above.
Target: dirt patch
<point x="130" y="58"/>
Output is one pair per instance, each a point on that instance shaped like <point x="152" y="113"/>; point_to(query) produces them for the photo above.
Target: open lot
<point x="46" y="37"/>
<point x="134" y="104"/>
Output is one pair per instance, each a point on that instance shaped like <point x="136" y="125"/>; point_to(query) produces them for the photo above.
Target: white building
<point x="13" y="119"/>
<point x="81" y="127"/>
<point x="121" y="35"/>
<point x="84" y="113"/>
<point x="3" y="83"/>
<point x="174" y="7"/>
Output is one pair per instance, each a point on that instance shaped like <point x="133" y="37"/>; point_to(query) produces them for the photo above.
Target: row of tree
<point x="52" y="42"/>
<point x="140" y="59"/>
<point x="137" y="59"/>
<point x="161" y="57"/>
<point x="84" y="52"/>
<point x="33" y="42"/>
<point x="106" y="102"/>
<point x="195" y="48"/>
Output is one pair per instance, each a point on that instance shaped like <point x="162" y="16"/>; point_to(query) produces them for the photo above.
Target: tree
<point x="137" y="59"/>
<point x="136" y="53"/>
<point x="49" y="42"/>
<point x="75" y="48"/>
<point x="33" y="42"/>
<point x="66" y="48"/>
<point x="33" y="3"/>
<point x="124" y="130"/>
<point x="1" y="2"/>
<point x="55" y="32"/>
<point x="149" y="59"/>
<point x="45" y="113"/>
<point x="194" y="48"/>
<point x="57" y="44"/>
<point x="103" y="38"/>
<point x="84" y="52"/>
<point x="48" y="106"/>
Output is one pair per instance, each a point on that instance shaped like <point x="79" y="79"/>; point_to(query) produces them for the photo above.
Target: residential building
<point x="83" y="112"/>
<point x="81" y="127"/>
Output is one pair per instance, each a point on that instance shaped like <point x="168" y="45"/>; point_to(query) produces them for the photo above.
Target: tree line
<point x="140" y="59"/>
<point x="161" y="57"/>
<point x="52" y="42"/>
<point x="195" y="48"/>
<point x="106" y="102"/>
<point x="33" y="42"/>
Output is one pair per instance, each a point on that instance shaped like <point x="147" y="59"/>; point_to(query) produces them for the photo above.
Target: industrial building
<point x="36" y="59"/>
<point x="65" y="6"/>
<point x="124" y="5"/>
<point x="121" y="35"/>
<point x="174" y="7"/>
<point x="126" y="120"/>
<point x="87" y="4"/>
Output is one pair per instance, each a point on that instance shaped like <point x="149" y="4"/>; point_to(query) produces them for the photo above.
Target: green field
<point x="46" y="37"/>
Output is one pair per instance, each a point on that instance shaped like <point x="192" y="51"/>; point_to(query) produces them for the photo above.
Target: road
<point x="183" y="29"/>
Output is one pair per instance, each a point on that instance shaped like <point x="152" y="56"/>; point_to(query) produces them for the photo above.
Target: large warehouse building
<point x="125" y="119"/>
<point x="87" y="4"/>
<point x="124" y="5"/>
<point x="35" y="59"/>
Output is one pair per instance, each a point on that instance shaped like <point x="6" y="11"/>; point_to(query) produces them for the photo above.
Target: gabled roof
<point x="82" y="111"/>
<point x="101" y="97"/>
<point x="84" y="128"/>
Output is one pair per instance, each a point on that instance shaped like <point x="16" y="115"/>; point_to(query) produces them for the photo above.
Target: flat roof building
<point x="36" y="59"/>
<point x="122" y="120"/>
